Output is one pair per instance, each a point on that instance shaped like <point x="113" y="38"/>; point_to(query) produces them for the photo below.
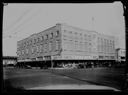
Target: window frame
<point x="57" y="33"/>
<point x="46" y="36"/>
<point x="52" y="35"/>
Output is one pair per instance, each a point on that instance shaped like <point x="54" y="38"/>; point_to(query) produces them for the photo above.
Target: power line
<point x="23" y="23"/>
<point x="27" y="22"/>
<point x="19" y="19"/>
<point x="13" y="29"/>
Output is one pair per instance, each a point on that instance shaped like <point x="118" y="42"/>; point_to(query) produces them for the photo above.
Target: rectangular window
<point x="94" y="36"/>
<point x="38" y="39"/>
<point x="34" y="41"/>
<point x="28" y="43"/>
<point x="44" y="49"/>
<point x="26" y="51"/>
<point x="32" y="50"/>
<point x="70" y="32"/>
<point x="112" y="57"/>
<point x="57" y="45"/>
<point x="57" y="33"/>
<point x="50" y="46"/>
<point x="42" y="38"/>
<point x="46" y="36"/>
<point x="41" y="48"/>
<point x="23" y="52"/>
<point x="31" y="42"/>
<point x="24" y="44"/>
<point x="101" y="57"/>
<point x="89" y="37"/>
<point x="51" y="35"/>
<point x="20" y="53"/>
<point x="37" y="48"/>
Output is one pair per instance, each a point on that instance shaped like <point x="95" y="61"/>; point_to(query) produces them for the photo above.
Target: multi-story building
<point x="120" y="55"/>
<point x="64" y="42"/>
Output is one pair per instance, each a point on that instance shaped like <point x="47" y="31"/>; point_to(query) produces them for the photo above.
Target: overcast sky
<point x="22" y="20"/>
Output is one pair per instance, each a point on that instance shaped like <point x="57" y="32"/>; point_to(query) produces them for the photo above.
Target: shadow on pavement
<point x="8" y="87"/>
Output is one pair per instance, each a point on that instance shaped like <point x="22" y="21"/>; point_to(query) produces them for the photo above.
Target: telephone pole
<point x="92" y="19"/>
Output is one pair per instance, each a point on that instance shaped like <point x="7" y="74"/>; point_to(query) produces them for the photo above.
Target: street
<point x="45" y="79"/>
<point x="112" y="77"/>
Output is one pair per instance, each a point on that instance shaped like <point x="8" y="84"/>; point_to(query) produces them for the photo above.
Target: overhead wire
<point x="15" y="28"/>
<point x="23" y="23"/>
<point x="25" y="27"/>
<point x="19" y="19"/>
<point x="22" y="16"/>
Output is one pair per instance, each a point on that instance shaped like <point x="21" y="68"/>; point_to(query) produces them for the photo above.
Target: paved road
<point x="106" y="76"/>
<point x="42" y="79"/>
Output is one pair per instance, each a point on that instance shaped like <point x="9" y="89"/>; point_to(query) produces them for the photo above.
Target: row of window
<point x="85" y="37"/>
<point x="76" y="38"/>
<point x="106" y="49"/>
<point x="105" y="41"/>
<point x="75" y="41"/>
<point x="41" y="38"/>
<point x="104" y="57"/>
<point x="79" y="34"/>
<point x="40" y="48"/>
<point x="106" y="46"/>
<point x="79" y="50"/>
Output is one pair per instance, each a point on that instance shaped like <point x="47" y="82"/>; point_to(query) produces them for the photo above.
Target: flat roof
<point x="69" y="26"/>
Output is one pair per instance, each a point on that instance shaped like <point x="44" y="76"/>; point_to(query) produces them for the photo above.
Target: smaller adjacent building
<point x="120" y="55"/>
<point x="9" y="60"/>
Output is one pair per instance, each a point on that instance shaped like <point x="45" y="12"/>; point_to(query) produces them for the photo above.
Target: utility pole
<point x="92" y="23"/>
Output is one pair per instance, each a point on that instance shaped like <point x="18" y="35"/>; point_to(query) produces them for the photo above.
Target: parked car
<point x="80" y="66"/>
<point x="28" y="67"/>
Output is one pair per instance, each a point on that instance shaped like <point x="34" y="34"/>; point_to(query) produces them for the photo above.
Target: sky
<point x="22" y="20"/>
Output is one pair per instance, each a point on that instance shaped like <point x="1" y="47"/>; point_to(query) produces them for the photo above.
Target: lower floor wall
<point x="66" y="57"/>
<point x="67" y="63"/>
